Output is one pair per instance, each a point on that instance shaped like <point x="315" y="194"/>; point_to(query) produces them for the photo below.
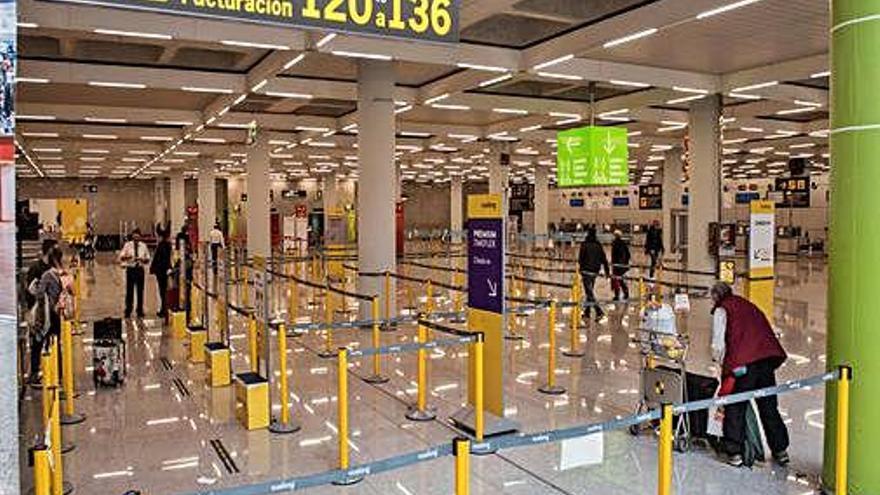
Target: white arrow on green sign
<point x="592" y="156"/>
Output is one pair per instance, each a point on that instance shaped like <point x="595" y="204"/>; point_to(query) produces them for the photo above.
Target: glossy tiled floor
<point x="153" y="435"/>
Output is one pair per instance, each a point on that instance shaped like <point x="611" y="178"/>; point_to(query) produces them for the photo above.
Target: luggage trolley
<point x="663" y="377"/>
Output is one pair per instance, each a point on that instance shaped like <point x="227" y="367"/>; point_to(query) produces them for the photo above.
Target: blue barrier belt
<point x="414" y="346"/>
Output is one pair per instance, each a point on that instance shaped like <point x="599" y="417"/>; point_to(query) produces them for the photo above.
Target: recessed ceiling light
<point x="632" y="37"/>
<point x="202" y="89"/>
<point x="133" y="34"/>
<point x="725" y="8"/>
<point x="251" y="44"/>
<point x="100" y="136"/>
<point x="115" y="84"/>
<point x="34" y="80"/>
<point x="285" y="94"/>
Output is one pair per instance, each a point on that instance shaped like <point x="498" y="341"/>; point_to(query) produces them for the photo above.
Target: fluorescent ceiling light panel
<point x="451" y="107"/>
<point x="632" y="37"/>
<point x="555" y="61"/>
<point x="366" y="55"/>
<point x="633" y="84"/>
<point x="284" y="94"/>
<point x="487" y="68"/>
<point x="512" y="111"/>
<point x="295" y="60"/>
<point x="817" y="75"/>
<point x="100" y="136"/>
<point x="201" y="89"/>
<point x="104" y="120"/>
<point x="133" y="34"/>
<point x="745" y="89"/>
<point x="116" y="84"/>
<point x="251" y="44"/>
<point x="685" y="99"/>
<point x="35" y="80"/>
<point x="326" y="39"/>
<point x="556" y="75"/>
<point x="726" y="8"/>
<point x="495" y="80"/>
<point x="35" y="117"/>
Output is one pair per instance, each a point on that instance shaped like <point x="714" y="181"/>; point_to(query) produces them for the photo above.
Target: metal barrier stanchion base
<point x="513" y="336"/>
<point x="67" y="447"/>
<point x="349" y="481"/>
<point x="574" y="354"/>
<point x="376" y="379"/>
<point x="415" y="414"/>
<point x="66" y="489"/>
<point x="277" y="427"/>
<point x="554" y="390"/>
<point x="73" y="419"/>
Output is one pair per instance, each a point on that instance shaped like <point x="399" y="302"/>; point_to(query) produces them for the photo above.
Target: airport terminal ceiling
<point x="110" y="93"/>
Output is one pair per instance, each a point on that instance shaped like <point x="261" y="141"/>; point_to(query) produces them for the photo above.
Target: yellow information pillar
<point x="485" y="312"/>
<point x="760" y="282"/>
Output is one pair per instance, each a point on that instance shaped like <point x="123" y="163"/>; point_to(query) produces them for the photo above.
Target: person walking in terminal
<point x="36" y="318"/>
<point x="620" y="257"/>
<point x="590" y="260"/>
<point x="159" y="268"/>
<point x="744" y="342"/>
<point x="54" y="296"/>
<point x="654" y="245"/>
<point x="217" y="243"/>
<point x="134" y="256"/>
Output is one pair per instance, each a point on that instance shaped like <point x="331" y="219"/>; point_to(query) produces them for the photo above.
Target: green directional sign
<point x="592" y="156"/>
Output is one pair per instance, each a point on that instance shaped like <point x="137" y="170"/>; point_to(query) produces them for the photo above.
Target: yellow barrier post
<point x="479" y="410"/>
<point x="420" y="411"/>
<point x="46" y="365"/>
<point x="461" y="448"/>
<point x="70" y="417"/>
<point x="293" y="301"/>
<point x="842" y="459"/>
<point x="42" y="471"/>
<point x="377" y="376"/>
<point x="388" y="298"/>
<point x="429" y="299"/>
<point x="342" y="413"/>
<point x="664" y="456"/>
<point x="283" y="425"/>
<point x="77" y="300"/>
<point x="245" y="286"/>
<point x="328" y="351"/>
<point x="574" y="331"/>
<point x="252" y="344"/>
<point x="551" y="388"/>
<point x="55" y="435"/>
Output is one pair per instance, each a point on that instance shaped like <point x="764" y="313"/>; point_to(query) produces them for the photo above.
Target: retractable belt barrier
<point x="665" y="459"/>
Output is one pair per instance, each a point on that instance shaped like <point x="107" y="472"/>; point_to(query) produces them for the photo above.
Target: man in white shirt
<point x="215" y="237"/>
<point x="133" y="257"/>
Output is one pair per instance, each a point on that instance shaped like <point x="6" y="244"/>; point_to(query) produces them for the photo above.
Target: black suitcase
<point x="700" y="387"/>
<point x="108" y="353"/>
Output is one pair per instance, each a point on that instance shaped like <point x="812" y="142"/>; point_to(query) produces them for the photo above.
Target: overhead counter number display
<point x="428" y="20"/>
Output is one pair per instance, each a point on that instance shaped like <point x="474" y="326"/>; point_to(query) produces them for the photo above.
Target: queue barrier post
<point x="479" y="409"/>
<point x="46" y="365"/>
<point x="841" y="481"/>
<point x="342" y="413"/>
<point x="245" y="286"/>
<point x="377" y="376"/>
<point x="420" y="411"/>
<point x="42" y="471"/>
<point x="461" y="448"/>
<point x="253" y="348"/>
<point x="388" y="297"/>
<point x="429" y="298"/>
<point x="77" y="299"/>
<point x="293" y="301"/>
<point x="328" y="351"/>
<point x="664" y="456"/>
<point x="58" y="485"/>
<point x="283" y="425"/>
<point x="70" y="417"/>
<point x="551" y="388"/>
<point x="574" y="330"/>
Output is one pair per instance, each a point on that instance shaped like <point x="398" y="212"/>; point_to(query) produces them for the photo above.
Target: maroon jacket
<point x="749" y="338"/>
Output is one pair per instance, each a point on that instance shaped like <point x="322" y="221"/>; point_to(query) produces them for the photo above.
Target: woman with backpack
<point x="54" y="298"/>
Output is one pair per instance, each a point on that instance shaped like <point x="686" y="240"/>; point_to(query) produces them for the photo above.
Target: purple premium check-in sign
<point x="486" y="265"/>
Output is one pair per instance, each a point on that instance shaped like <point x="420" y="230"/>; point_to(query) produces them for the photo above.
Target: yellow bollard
<point x="328" y="351"/>
<point x="77" y="297"/>
<point x="461" y="448"/>
<point x="388" y="299"/>
<point x="550" y="387"/>
<point x="46" y="365"/>
<point x="70" y="417"/>
<point x="479" y="419"/>
<point x="376" y="377"/>
<point x="283" y="425"/>
<point x="293" y="301"/>
<point x="429" y="299"/>
<point x="342" y="404"/>
<point x="574" y="331"/>
<point x="664" y="456"/>
<point x="420" y="412"/>
<point x="42" y="471"/>
<point x="246" y="287"/>
<point x="842" y="460"/>
<point x="252" y="343"/>
<point x="55" y="434"/>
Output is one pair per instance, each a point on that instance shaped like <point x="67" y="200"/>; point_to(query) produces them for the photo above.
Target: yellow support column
<point x="283" y="425"/>
<point x="70" y="417"/>
<point x="420" y="411"/>
<point x="377" y="376"/>
<point x="550" y="387"/>
<point x="461" y="448"/>
<point x="842" y="433"/>
<point x="664" y="456"/>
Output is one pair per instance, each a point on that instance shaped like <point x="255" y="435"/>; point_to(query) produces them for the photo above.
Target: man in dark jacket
<point x="159" y="268"/>
<point x="744" y="342"/>
<point x="620" y="257"/>
<point x="654" y="245"/>
<point x="590" y="260"/>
